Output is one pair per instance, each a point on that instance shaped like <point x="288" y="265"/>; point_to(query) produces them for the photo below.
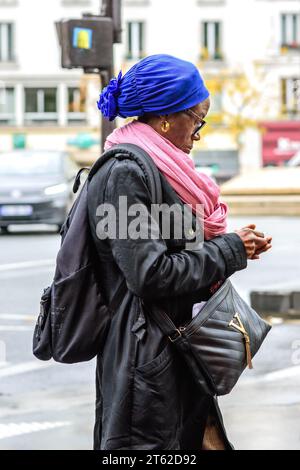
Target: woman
<point x="146" y="398"/>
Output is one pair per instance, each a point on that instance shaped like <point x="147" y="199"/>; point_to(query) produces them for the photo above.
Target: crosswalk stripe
<point x="16" y="328"/>
<point x="275" y="375"/>
<point x="26" y="264"/>
<point x="17" y="429"/>
<point x="17" y="317"/>
<point x="23" y="367"/>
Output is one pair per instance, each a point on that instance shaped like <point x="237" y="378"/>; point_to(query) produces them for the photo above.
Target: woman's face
<point x="182" y="126"/>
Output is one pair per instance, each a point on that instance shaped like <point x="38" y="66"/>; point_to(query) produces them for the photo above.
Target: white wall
<point x="36" y="40"/>
<point x="38" y="53"/>
<point x="250" y="35"/>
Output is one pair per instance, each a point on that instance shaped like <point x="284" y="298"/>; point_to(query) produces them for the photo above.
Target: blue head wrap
<point x="158" y="84"/>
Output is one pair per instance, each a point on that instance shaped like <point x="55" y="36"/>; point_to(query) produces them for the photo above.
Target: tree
<point x="242" y="103"/>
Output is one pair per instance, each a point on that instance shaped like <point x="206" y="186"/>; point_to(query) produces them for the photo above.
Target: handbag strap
<point x="164" y="322"/>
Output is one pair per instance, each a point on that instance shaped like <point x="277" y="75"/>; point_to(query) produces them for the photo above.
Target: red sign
<point x="280" y="141"/>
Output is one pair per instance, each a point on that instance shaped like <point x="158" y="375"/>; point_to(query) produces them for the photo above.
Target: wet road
<point x="44" y="405"/>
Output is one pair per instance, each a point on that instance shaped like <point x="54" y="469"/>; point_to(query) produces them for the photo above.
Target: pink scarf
<point x="179" y="169"/>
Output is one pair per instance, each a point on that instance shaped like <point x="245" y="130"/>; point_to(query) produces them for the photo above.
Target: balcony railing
<point x="285" y="48"/>
<point x="76" y="117"/>
<point x="206" y="55"/>
<point x="7" y="119"/>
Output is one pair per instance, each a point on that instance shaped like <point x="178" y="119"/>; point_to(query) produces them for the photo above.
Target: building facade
<point x="247" y="50"/>
<point x="249" y="54"/>
<point x="39" y="100"/>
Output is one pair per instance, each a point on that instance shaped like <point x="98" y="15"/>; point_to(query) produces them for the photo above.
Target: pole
<point x="106" y="126"/>
<point x="112" y="9"/>
<point x="106" y="8"/>
<point x="105" y="75"/>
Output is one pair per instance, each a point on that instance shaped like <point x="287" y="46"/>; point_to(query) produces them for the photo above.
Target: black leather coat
<point x="146" y="398"/>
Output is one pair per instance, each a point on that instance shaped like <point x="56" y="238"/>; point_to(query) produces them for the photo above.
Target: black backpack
<point x="74" y="318"/>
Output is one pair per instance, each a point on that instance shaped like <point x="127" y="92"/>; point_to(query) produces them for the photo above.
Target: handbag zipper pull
<point x="248" y="350"/>
<point x="240" y="327"/>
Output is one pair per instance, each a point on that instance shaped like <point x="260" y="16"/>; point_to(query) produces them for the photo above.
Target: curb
<point x="279" y="205"/>
<point x="284" y="304"/>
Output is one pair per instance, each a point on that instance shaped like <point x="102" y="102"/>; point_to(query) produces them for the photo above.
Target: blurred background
<point x="248" y="52"/>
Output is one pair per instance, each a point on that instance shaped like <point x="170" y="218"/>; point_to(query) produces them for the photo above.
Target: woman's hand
<point x="255" y="242"/>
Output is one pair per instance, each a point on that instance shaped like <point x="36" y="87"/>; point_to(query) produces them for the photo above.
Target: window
<point x="7" y="42"/>
<point x="40" y="104"/>
<point x="291" y="96"/>
<point x="7" y="105"/>
<point x="211" y="41"/>
<point x="40" y="100"/>
<point x="290" y="30"/>
<point x="76" y="104"/>
<point x="135" y="40"/>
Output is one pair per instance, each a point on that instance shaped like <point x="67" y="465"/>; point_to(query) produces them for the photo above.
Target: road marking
<point x="26" y="264"/>
<point x="24" y="367"/>
<point x="287" y="373"/>
<point x="16" y="328"/>
<point x="18" y="429"/>
<point x="17" y="317"/>
<point x="26" y="273"/>
<point x="3" y="364"/>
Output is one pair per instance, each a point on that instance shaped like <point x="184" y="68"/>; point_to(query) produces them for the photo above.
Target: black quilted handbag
<point x="220" y="341"/>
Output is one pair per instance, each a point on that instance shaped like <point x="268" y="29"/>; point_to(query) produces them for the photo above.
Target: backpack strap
<point x="77" y="181"/>
<point x="119" y="296"/>
<point x="152" y="175"/>
<point x="142" y="158"/>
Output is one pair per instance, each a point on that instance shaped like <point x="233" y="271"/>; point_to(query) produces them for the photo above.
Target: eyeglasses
<point x="195" y="115"/>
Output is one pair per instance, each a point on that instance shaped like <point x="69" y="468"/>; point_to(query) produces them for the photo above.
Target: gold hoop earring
<point x="165" y="126"/>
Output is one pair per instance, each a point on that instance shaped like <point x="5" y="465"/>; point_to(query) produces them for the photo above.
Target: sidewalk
<point x="267" y="191"/>
<point x="263" y="410"/>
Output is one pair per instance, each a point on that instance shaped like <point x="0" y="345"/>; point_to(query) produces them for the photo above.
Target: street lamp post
<point x="111" y="9"/>
<point x="87" y="43"/>
<point x="106" y="126"/>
